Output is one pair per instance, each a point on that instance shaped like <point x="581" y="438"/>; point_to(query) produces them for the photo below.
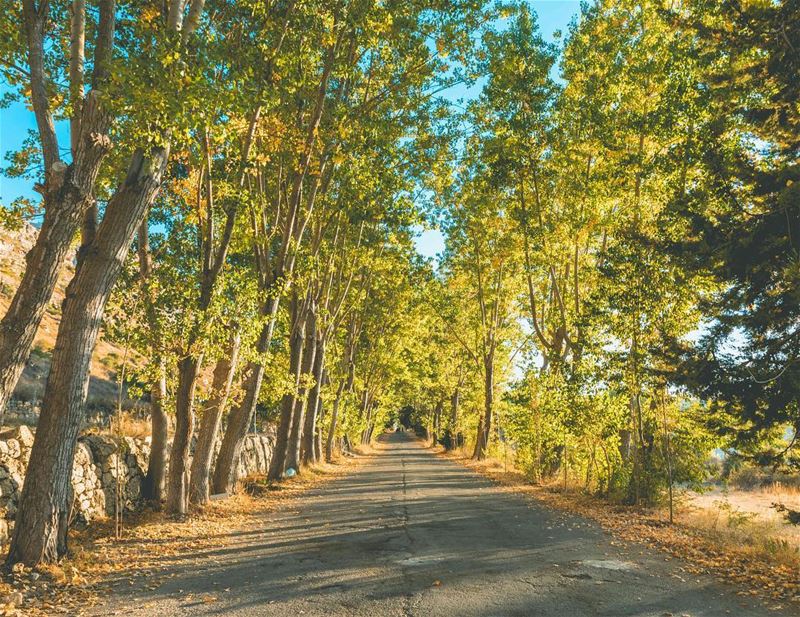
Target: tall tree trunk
<point x="209" y="423"/>
<point x="309" y="450"/>
<point x="213" y="259"/>
<point x="302" y="398"/>
<point x="366" y="437"/>
<point x="41" y="524"/>
<point x="278" y="463"/>
<point x="153" y="484"/>
<point x="226" y="466"/>
<point x="189" y="368"/>
<point x="240" y="417"/>
<point x="334" y="419"/>
<point x="345" y="385"/>
<point x="178" y="477"/>
<point x="319" y="414"/>
<point x="366" y="410"/>
<point x="292" y="458"/>
<point x="437" y="422"/>
<point x="485" y="428"/>
<point x="479" y="437"/>
<point x="454" y="402"/>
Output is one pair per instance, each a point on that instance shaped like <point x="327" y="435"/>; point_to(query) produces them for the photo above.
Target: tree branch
<point x="35" y="22"/>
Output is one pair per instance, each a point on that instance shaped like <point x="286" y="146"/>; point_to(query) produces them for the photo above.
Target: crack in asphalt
<point x="408" y="599"/>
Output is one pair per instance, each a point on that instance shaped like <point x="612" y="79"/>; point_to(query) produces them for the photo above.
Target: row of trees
<point x="265" y="161"/>
<point x="620" y="275"/>
<point x="620" y="279"/>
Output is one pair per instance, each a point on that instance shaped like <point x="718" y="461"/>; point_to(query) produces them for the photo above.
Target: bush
<point x="752" y="477"/>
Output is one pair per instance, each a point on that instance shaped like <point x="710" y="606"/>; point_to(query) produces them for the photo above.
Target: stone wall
<point x="21" y="412"/>
<point x="27" y="412"/>
<point x="98" y="463"/>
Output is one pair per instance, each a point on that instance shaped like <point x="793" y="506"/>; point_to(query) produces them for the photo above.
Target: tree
<point x="41" y="531"/>
<point x="482" y="260"/>
<point x="738" y="220"/>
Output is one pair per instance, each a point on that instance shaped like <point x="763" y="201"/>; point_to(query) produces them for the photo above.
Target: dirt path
<point x="410" y="533"/>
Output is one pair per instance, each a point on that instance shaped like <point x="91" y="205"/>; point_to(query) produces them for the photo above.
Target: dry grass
<point x="129" y="425"/>
<point x="368" y="449"/>
<point x="746" y="520"/>
<point x="759" y="479"/>
<point x="790" y="492"/>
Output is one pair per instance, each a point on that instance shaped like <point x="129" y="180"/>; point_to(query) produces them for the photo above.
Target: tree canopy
<point x="618" y="294"/>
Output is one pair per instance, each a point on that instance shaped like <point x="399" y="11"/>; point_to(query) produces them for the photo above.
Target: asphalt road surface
<point x="413" y="534"/>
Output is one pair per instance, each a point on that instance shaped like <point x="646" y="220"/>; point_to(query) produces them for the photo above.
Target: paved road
<point x="410" y="533"/>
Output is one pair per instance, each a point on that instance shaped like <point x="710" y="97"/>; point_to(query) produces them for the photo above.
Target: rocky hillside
<point x="102" y="389"/>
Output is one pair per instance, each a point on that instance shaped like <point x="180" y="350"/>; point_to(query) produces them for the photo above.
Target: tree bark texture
<point x="329" y="442"/>
<point x="278" y="462"/>
<point x="302" y="399"/>
<point x="178" y="475"/>
<point x="153" y="485"/>
<point x="308" y="450"/>
<point x="240" y="417"/>
<point x="224" y="372"/>
<point x="42" y="516"/>
<point x="485" y="427"/>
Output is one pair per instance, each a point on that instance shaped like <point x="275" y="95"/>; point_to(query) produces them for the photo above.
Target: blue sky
<point x="16" y="122"/>
<point x="553" y="15"/>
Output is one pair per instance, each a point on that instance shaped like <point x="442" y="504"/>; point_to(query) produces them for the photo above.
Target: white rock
<point x="14" y="600"/>
<point x="14" y="449"/>
<point x="25" y="436"/>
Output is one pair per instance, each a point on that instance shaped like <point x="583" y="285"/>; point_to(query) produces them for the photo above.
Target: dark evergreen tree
<point x="738" y="217"/>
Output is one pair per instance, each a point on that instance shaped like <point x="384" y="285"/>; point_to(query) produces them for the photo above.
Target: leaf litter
<point x="98" y="562"/>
